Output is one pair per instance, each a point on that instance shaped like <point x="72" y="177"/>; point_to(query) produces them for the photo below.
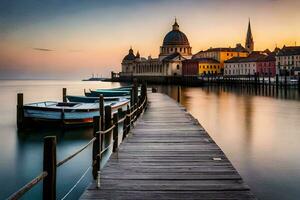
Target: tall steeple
<point x="249" y="40"/>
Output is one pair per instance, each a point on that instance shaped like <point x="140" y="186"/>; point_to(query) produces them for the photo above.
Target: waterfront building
<point x="288" y="60"/>
<point x="266" y="66"/>
<point x="237" y="66"/>
<point x="175" y="49"/>
<point x="223" y="54"/>
<point x="201" y="66"/>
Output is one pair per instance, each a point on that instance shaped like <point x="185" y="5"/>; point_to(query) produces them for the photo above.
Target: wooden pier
<point x="168" y="155"/>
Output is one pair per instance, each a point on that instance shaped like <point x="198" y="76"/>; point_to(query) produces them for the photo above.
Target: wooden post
<point x="101" y="110"/>
<point x="107" y="115"/>
<point x="20" y="111"/>
<point x="49" y="165"/>
<point x="135" y="92"/>
<point x="277" y="81"/>
<point x="64" y="93"/>
<point x="178" y="94"/>
<point x="299" y="82"/>
<point x="131" y="97"/>
<point x="96" y="147"/>
<point x="115" y="131"/>
<point x="126" y="123"/>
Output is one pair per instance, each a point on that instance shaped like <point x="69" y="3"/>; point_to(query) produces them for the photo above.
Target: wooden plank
<point x="168" y="155"/>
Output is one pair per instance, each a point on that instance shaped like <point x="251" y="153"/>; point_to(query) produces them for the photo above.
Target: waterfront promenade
<point x="168" y="155"/>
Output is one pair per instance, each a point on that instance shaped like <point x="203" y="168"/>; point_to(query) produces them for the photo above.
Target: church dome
<point x="130" y="56"/>
<point x="176" y="37"/>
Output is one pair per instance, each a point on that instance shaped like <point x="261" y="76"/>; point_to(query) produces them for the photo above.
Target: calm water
<point x="21" y="153"/>
<point x="259" y="134"/>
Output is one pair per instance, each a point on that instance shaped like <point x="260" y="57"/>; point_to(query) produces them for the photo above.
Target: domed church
<point x="175" y="48"/>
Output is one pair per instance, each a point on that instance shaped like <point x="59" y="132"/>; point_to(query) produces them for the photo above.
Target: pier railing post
<point x="64" y="93"/>
<point x="96" y="158"/>
<point x="178" y="93"/>
<point x="49" y="165"/>
<point x="107" y="125"/>
<point x="20" y="111"/>
<point x="101" y="113"/>
<point x="115" y="131"/>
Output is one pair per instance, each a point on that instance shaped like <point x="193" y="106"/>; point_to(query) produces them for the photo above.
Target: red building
<point x="266" y="66"/>
<point x="190" y="67"/>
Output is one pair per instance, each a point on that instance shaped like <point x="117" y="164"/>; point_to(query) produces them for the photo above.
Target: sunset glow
<point x="50" y="40"/>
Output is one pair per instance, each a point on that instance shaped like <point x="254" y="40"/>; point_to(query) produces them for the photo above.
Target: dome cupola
<point x="130" y="56"/>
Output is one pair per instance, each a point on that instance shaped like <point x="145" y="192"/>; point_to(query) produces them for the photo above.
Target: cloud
<point x="42" y="49"/>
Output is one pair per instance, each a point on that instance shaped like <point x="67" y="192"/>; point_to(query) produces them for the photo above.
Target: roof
<point x="172" y="56"/>
<point x="238" y="48"/>
<point x="202" y="60"/>
<point x="176" y="37"/>
<point x="289" y="51"/>
<point x="130" y="56"/>
<point x="253" y="57"/>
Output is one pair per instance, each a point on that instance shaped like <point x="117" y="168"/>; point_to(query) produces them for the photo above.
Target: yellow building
<point x="208" y="66"/>
<point x="223" y="54"/>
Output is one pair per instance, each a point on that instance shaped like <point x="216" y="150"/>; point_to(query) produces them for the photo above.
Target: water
<point x="259" y="133"/>
<point x="21" y="154"/>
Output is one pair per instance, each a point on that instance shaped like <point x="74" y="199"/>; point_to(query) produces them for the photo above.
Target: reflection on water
<point x="21" y="154"/>
<point x="258" y="131"/>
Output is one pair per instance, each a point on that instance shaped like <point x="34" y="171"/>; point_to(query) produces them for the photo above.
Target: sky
<point x="67" y="39"/>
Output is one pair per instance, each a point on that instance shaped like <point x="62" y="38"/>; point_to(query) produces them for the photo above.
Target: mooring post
<point x="277" y="81"/>
<point x="115" y="131"/>
<point x="178" y="93"/>
<point x="49" y="166"/>
<point x="135" y="92"/>
<point x="101" y="110"/>
<point x="20" y="111"/>
<point x="108" y="122"/>
<point x="299" y="82"/>
<point x="64" y="93"/>
<point x="127" y="127"/>
<point x="96" y="157"/>
<point x="132" y="97"/>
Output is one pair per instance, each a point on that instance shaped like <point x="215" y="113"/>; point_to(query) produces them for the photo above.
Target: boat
<point x="68" y="113"/>
<point x="85" y="99"/>
<point x="107" y="93"/>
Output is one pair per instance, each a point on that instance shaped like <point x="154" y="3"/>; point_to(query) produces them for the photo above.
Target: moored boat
<point x="107" y="93"/>
<point x="85" y="99"/>
<point x="68" y="113"/>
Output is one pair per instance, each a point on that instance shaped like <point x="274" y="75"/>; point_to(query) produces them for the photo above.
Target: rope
<point x="121" y="120"/>
<point x="107" y="130"/>
<point x="76" y="153"/>
<point x="27" y="187"/>
<point x="75" y="185"/>
<point x="106" y="148"/>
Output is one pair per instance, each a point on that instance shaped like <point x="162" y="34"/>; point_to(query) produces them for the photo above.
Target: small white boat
<point x="69" y="113"/>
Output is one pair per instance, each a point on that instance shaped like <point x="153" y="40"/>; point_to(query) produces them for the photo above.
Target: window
<point x="177" y="67"/>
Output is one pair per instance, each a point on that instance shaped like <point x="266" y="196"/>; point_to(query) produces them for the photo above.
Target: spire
<point x="175" y="25"/>
<point x="137" y="54"/>
<point x="131" y="50"/>
<point x="249" y="39"/>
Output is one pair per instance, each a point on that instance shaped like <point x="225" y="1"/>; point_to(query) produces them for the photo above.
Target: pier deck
<point x="168" y="155"/>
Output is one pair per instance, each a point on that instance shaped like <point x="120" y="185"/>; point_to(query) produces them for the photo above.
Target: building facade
<point x="267" y="66"/>
<point x="288" y="60"/>
<point x="201" y="66"/>
<point x="175" y="49"/>
<point x="223" y="54"/>
<point x="238" y="66"/>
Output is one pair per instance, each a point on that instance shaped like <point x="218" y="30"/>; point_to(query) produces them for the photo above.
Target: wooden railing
<point x="105" y="125"/>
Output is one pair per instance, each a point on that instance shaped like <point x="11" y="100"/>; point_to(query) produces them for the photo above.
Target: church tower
<point x="249" y="40"/>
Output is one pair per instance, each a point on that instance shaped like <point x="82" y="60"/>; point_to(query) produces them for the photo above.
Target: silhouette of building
<point x="249" y="45"/>
<point x="175" y="48"/>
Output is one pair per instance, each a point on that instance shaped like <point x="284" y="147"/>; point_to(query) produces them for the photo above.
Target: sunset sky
<point x="67" y="39"/>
